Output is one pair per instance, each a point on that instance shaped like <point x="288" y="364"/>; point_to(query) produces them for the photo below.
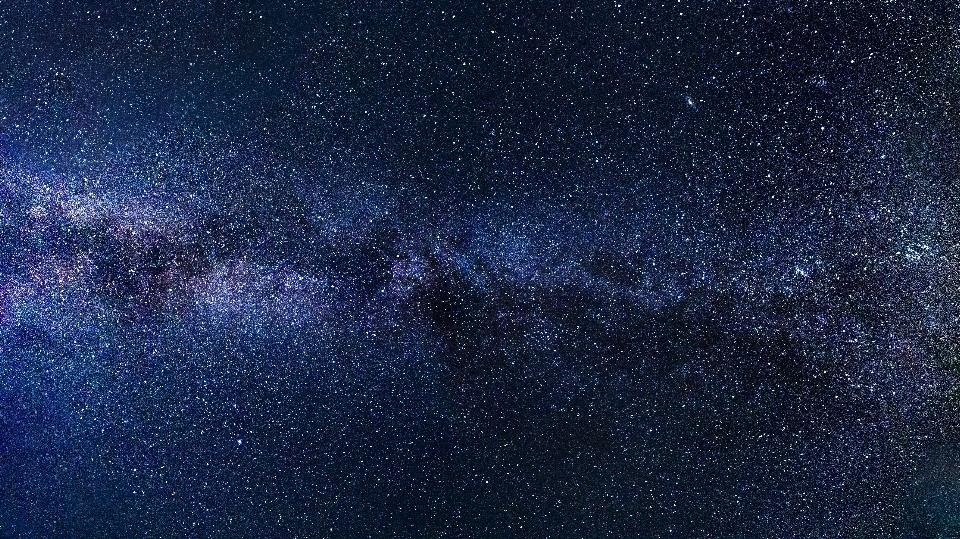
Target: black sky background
<point x="479" y="270"/>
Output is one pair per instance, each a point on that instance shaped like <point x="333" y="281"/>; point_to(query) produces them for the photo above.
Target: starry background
<point x="519" y="269"/>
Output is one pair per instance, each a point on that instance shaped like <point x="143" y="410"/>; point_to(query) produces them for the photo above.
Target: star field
<point x="416" y="269"/>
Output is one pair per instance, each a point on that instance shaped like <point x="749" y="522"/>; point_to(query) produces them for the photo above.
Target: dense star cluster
<point x="414" y="269"/>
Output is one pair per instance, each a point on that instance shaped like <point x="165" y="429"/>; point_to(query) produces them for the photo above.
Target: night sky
<point x="496" y="270"/>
